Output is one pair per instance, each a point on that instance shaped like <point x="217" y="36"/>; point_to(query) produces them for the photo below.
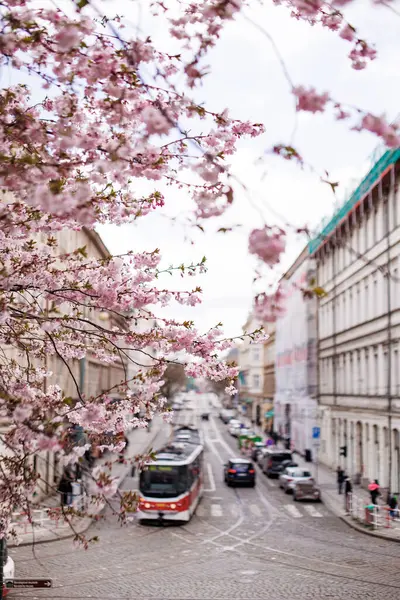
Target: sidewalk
<point x="47" y="530"/>
<point x="326" y="479"/>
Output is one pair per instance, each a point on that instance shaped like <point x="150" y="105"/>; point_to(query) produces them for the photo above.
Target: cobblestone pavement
<point x="242" y="543"/>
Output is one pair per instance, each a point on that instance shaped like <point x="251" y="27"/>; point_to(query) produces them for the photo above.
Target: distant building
<point x="267" y="412"/>
<point x="357" y="253"/>
<point x="91" y="375"/>
<point x="251" y="374"/>
<point x="295" y="400"/>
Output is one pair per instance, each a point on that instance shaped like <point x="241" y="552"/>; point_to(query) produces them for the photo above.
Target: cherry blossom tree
<point x="83" y="127"/>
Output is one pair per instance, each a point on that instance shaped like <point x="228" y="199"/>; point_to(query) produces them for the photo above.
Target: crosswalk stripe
<point x="216" y="510"/>
<point x="312" y="510"/>
<point x="293" y="511"/>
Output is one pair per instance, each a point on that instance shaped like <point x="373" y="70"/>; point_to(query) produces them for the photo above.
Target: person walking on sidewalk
<point x="348" y="489"/>
<point x="374" y="491"/>
<point x="65" y="488"/>
<point x="340" y="478"/>
<point x="393" y="506"/>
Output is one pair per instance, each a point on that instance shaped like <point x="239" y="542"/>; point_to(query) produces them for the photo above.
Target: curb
<point x="85" y="526"/>
<point x="354" y="525"/>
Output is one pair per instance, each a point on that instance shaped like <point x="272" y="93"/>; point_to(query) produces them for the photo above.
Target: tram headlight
<point x="147" y="505"/>
<point x="173" y="506"/>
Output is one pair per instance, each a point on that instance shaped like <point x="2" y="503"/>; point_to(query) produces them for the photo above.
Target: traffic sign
<point x="28" y="583"/>
<point x="316" y="433"/>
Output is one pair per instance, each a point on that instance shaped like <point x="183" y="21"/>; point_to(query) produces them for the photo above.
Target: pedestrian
<point x="65" y="488"/>
<point x="393" y="506"/>
<point x="340" y="478"/>
<point x="374" y="491"/>
<point x="348" y="489"/>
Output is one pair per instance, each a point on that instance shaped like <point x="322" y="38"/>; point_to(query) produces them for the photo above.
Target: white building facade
<point x="357" y="255"/>
<point x="295" y="401"/>
<point x="251" y="374"/>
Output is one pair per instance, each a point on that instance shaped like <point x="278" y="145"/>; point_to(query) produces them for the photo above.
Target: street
<point x="241" y="543"/>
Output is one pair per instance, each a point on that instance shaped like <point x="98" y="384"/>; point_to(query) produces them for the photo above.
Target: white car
<point x="233" y="426"/>
<point x="291" y="476"/>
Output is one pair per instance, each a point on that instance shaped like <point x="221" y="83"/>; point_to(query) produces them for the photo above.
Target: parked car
<point x="234" y="426"/>
<point x="286" y="464"/>
<point x="291" y="476"/>
<point x="239" y="471"/>
<point x="257" y="448"/>
<point x="306" y="490"/>
<point x="226" y="415"/>
<point x="176" y="406"/>
<point x="272" y="459"/>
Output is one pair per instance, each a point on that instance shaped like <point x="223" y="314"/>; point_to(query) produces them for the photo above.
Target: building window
<point x="375" y="225"/>
<point x="256" y="381"/>
<point x="351" y="374"/>
<point x="375" y="371"/>
<point x="366" y="299"/>
<point x="375" y="299"/>
<point x="358" y="380"/>
<point x="366" y="229"/>
<point x="351" y="322"/>
<point x="256" y="354"/>
<point x="395" y="374"/>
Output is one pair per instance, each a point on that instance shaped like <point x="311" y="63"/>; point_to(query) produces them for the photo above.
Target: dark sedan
<point x="238" y="471"/>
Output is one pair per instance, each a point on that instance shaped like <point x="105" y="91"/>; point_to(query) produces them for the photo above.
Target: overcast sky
<point x="247" y="78"/>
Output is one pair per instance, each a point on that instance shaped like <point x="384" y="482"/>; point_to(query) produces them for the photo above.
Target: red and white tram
<point x="172" y="485"/>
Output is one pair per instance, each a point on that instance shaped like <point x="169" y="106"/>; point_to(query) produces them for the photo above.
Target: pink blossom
<point x="267" y="245"/>
<point x="308" y="7"/>
<point x="22" y="413"/>
<point x="309" y="100"/>
<point x="67" y="38"/>
<point x="269" y="307"/>
<point x="379" y="126"/>
<point x="155" y="121"/>
<point x="347" y="33"/>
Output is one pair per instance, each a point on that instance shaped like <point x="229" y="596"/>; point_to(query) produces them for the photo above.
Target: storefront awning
<point x="269" y="414"/>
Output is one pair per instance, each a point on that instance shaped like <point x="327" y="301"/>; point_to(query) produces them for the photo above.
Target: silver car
<point x="291" y="475"/>
<point x="306" y="490"/>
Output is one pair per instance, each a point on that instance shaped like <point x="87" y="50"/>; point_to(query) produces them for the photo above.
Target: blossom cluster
<point x="309" y="100"/>
<point x="328" y="15"/>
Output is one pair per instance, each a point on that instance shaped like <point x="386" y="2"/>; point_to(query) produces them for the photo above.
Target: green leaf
<point x="319" y="292"/>
<point x="82" y="3"/>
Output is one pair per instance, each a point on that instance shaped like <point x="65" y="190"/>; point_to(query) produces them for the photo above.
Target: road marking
<point x="255" y="509"/>
<point x="235" y="510"/>
<point x="312" y="510"/>
<point x="211" y="479"/>
<point x="181" y="537"/>
<point x="294" y="512"/>
<point x="216" y="510"/>
<point x="270" y="483"/>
